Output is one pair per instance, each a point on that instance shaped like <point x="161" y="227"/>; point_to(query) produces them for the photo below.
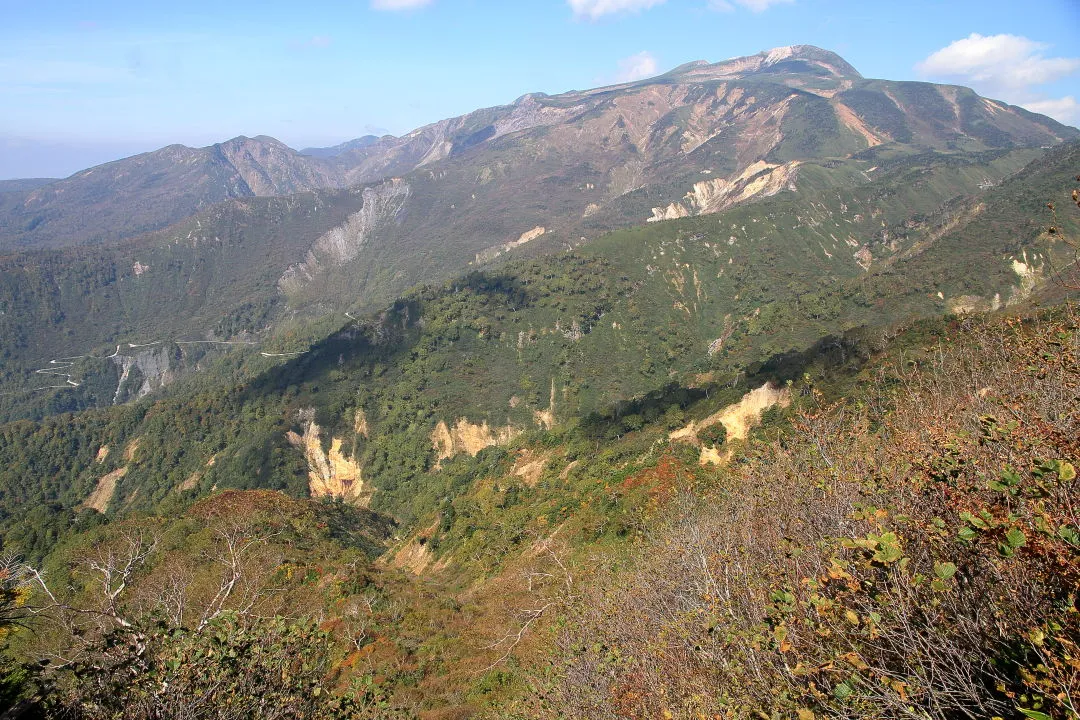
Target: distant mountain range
<point x="781" y="106"/>
<point x="236" y="237"/>
<point x="641" y="401"/>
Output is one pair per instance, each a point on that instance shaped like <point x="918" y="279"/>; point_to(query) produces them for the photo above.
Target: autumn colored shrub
<point x="912" y="552"/>
<point x="235" y="667"/>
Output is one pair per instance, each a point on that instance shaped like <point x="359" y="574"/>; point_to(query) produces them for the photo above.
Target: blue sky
<point x="82" y="83"/>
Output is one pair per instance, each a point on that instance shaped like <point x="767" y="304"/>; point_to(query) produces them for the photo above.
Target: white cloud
<point x="1005" y="61"/>
<point x="636" y="67"/>
<point x="399" y="4"/>
<point x="1065" y="109"/>
<point x="1010" y="67"/>
<point x="752" y="5"/>
<point x="594" y="9"/>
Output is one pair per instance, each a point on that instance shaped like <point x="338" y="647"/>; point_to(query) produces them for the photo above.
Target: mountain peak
<point x="788" y="58"/>
<point x="245" y="141"/>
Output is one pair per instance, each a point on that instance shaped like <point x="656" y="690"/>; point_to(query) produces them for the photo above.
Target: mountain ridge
<point x="545" y="174"/>
<point x="192" y="178"/>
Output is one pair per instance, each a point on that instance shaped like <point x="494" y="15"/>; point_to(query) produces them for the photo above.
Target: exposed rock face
<point x="546" y="418"/>
<point x="529" y="466"/>
<point x="415" y="555"/>
<point x="143" y="373"/>
<point x="330" y="474"/>
<point x="768" y="60"/>
<point x="740" y="418"/>
<point x="468" y="437"/>
<point x="382" y="204"/>
<point x="493" y="252"/>
<point x="360" y="423"/>
<point x="625" y="132"/>
<point x="760" y="179"/>
<point x="103" y="493"/>
<point x="1029" y="271"/>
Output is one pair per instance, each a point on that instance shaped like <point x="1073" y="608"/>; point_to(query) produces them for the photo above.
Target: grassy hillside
<point x="898" y="537"/>
<point x="185" y="244"/>
<point x="217" y="277"/>
<point x="615" y="334"/>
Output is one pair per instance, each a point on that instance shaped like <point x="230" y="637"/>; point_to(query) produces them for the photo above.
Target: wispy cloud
<point x="1065" y="109"/>
<point x="595" y="9"/>
<point x="1011" y="67"/>
<point x="1007" y="61"/>
<point x="752" y="5"/>
<point x="636" y="67"/>
<point x="399" y="4"/>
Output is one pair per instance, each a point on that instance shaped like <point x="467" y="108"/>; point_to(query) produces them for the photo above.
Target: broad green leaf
<point x="1035" y="714"/>
<point x="944" y="570"/>
<point x="1016" y="538"/>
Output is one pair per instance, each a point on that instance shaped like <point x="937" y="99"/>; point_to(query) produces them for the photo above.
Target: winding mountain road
<point x="57" y="366"/>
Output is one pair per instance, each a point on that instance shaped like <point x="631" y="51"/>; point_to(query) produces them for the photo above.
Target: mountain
<point x="667" y="399"/>
<point x="618" y="330"/>
<point x="357" y="144"/>
<point x="24" y="184"/>
<point x="784" y="106"/>
<point x="474" y="489"/>
<point x="150" y="191"/>
<point x="540" y="175"/>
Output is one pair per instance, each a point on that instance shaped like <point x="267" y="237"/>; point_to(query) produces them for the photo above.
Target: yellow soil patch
<point x="193" y="479"/>
<point x="102" y="453"/>
<point x="415" y="556"/>
<point x="493" y="252"/>
<point x="853" y="122"/>
<point x="468" y="437"/>
<point x="963" y="304"/>
<point x="740" y="418"/>
<point x="131" y="449"/>
<point x="546" y="418"/>
<point x="864" y="257"/>
<point x="332" y="474"/>
<point x="190" y="483"/>
<point x="529" y="466"/>
<point x="713" y="456"/>
<point x="360" y="423"/>
<point x="103" y="493"/>
<point x="566" y="470"/>
<point x="759" y="179"/>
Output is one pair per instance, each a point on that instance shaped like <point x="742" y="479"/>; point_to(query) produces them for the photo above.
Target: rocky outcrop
<point x="333" y="473"/>
<point x="381" y="205"/>
<point x="740" y="418"/>
<point x="760" y="179"/>
<point x="468" y="437"/>
<point x="104" y="491"/>
<point x="143" y="372"/>
<point x="493" y="252"/>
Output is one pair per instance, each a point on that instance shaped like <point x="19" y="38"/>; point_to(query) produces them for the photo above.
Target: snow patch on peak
<point x="779" y="53"/>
